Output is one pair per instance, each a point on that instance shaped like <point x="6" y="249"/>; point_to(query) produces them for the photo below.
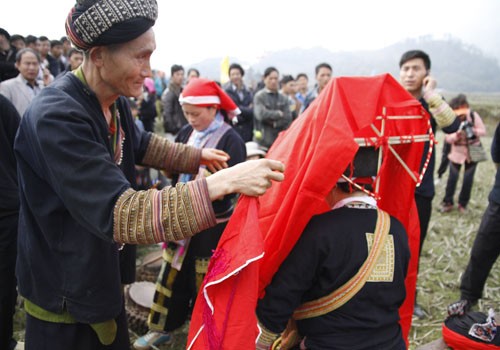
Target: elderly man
<point x="76" y="149"/>
<point x="23" y="88"/>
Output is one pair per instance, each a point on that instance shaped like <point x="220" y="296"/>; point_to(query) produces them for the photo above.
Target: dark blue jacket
<point x="245" y="119"/>
<point x="69" y="183"/>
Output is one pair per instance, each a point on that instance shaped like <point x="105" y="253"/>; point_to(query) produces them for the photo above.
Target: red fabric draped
<point x="316" y="150"/>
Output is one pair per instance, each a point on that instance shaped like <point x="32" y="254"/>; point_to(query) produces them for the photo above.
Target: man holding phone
<point x="414" y="74"/>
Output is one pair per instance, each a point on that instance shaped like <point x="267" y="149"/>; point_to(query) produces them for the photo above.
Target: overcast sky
<point x="188" y="31"/>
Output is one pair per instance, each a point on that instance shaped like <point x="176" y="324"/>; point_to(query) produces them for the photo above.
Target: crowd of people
<point x="77" y="196"/>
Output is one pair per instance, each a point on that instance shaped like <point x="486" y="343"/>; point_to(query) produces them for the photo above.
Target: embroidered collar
<point x="361" y="202"/>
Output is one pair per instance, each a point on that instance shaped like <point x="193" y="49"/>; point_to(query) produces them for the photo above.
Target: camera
<point x="467" y="127"/>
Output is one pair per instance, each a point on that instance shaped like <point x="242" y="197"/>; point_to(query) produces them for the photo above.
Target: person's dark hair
<point x="73" y="50"/>
<point x="238" y="67"/>
<point x="5" y="33"/>
<point x="269" y="70"/>
<point x="175" y="68"/>
<point x="16" y="37"/>
<point x="300" y="75"/>
<point x="409" y="55"/>
<point x="20" y="53"/>
<point x="31" y="39"/>
<point x="348" y="188"/>
<point x="55" y="43"/>
<point x="323" y="65"/>
<point x="286" y="79"/>
<point x="63" y="39"/>
<point x="43" y="38"/>
<point x="459" y="101"/>
<point x="193" y="70"/>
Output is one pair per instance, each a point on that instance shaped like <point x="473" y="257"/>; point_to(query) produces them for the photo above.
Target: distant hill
<point x="457" y="66"/>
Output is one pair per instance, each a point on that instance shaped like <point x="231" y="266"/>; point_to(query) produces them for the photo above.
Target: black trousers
<point x="451" y="185"/>
<point x="41" y="335"/>
<point x="424" y="208"/>
<point x="485" y="251"/>
<point x="8" y="294"/>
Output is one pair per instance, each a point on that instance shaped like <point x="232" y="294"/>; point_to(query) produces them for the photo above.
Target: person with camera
<point x="470" y="130"/>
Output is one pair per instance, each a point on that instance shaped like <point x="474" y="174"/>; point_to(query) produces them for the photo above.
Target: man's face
<point x="271" y="81"/>
<point x="289" y="88"/>
<point x="178" y="77"/>
<point x="19" y="44"/>
<point x="75" y="60"/>
<point x="56" y="51"/>
<point x="412" y="74"/>
<point x="28" y="66"/>
<point x="4" y="43"/>
<point x="323" y="77"/>
<point x="302" y="84"/>
<point x="44" y="47"/>
<point x="235" y="76"/>
<point x="124" y="67"/>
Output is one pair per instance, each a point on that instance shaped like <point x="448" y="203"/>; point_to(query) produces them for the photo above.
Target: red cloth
<point x="316" y="150"/>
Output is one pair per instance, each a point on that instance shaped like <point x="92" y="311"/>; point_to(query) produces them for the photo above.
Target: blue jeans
<point x="464" y="196"/>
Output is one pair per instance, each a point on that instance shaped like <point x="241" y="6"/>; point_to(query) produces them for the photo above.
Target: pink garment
<point x="150" y="85"/>
<point x="459" y="153"/>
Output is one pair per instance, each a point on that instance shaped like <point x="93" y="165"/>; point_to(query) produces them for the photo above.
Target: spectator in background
<point x="32" y="42"/>
<point x="486" y="247"/>
<point x="161" y="82"/>
<point x="147" y="105"/>
<point x="272" y="110"/>
<point x="21" y="90"/>
<point x="242" y="96"/>
<point x="186" y="262"/>
<point x="471" y="129"/>
<point x="173" y="117"/>
<point x="192" y="73"/>
<point x="302" y="82"/>
<point x="289" y="89"/>
<point x="66" y="48"/>
<point x="75" y="59"/>
<point x="44" y="50"/>
<point x="9" y="217"/>
<point x="7" y="57"/>
<point x="56" y="64"/>
<point x="323" y="75"/>
<point x="415" y="77"/>
<point x="18" y="41"/>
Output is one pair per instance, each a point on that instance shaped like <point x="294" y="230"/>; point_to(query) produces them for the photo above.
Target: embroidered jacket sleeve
<point x="71" y="153"/>
<point x="441" y="111"/>
<point x="170" y="156"/>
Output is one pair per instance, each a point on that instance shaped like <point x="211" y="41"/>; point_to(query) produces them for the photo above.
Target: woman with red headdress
<point x="185" y="262"/>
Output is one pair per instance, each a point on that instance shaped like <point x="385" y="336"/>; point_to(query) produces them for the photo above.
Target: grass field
<point x="446" y="250"/>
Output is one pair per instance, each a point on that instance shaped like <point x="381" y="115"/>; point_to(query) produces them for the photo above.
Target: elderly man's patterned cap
<point x="105" y="22"/>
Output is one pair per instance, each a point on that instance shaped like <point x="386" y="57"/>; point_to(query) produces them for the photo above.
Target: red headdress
<point x="316" y="150"/>
<point x="204" y="92"/>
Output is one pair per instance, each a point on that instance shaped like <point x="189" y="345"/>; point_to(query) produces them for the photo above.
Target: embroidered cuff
<point x="440" y="110"/>
<point x="172" y="157"/>
<point x="266" y="338"/>
<point x="172" y="214"/>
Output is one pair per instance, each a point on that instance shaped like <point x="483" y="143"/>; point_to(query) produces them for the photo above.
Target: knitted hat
<point x="204" y="93"/>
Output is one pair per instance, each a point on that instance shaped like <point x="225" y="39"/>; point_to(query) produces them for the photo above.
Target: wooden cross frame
<point x="394" y="140"/>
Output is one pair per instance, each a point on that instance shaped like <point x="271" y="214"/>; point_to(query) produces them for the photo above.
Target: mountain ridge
<point x="457" y="66"/>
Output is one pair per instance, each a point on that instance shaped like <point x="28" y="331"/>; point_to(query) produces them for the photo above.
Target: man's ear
<point x="96" y="55"/>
